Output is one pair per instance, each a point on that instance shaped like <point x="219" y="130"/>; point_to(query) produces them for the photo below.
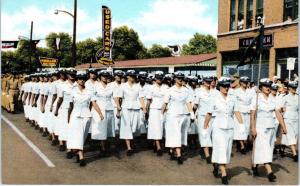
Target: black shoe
<point x="159" y="152"/>
<point x="36" y="127"/>
<point x="27" y="120"/>
<point x="154" y="149"/>
<point x="50" y="138"/>
<point x="295" y="158"/>
<point x="62" y="148"/>
<point x="82" y="163"/>
<point x="255" y="171"/>
<point x="130" y="152"/>
<point x="179" y="160"/>
<point x="32" y="125"/>
<point x="243" y="151"/>
<point x="275" y="151"/>
<point x="271" y="177"/>
<point x="41" y="130"/>
<point x="173" y="157"/>
<point x="44" y="134"/>
<point x="77" y="158"/>
<point x="224" y="180"/>
<point x="208" y="160"/>
<point x="102" y="153"/>
<point x="281" y="152"/>
<point x="216" y="171"/>
<point x="201" y="152"/>
<point x="70" y="155"/>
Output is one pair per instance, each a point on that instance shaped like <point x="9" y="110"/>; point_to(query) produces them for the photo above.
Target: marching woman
<point x="243" y="101"/>
<point x="263" y="128"/>
<point x="202" y="103"/>
<point x="64" y="97"/>
<point x="274" y="88"/>
<point x="289" y="106"/>
<point x="223" y="107"/>
<point x="132" y="101"/>
<point x="155" y="98"/>
<point x="26" y="91"/>
<point x="79" y="115"/>
<point x="103" y="126"/>
<point x="179" y="113"/>
<point x="43" y="93"/>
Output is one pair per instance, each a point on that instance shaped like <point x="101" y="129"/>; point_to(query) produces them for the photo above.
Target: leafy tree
<point x="157" y="50"/>
<point x="64" y="52"/>
<point x="86" y="50"/>
<point x="200" y="44"/>
<point x="127" y="44"/>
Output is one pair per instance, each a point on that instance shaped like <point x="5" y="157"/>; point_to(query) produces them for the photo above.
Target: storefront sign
<point x="10" y="44"/>
<point x="104" y="56"/>
<point x="48" y="62"/>
<point x="290" y="63"/>
<point x="245" y="42"/>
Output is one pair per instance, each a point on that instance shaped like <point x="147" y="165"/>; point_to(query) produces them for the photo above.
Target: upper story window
<point x="232" y="15"/>
<point x="259" y="10"/>
<point x="290" y="10"/>
<point x="249" y="15"/>
<point x="240" y="25"/>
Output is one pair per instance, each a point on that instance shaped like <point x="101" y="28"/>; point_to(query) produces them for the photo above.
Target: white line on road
<point x="34" y="148"/>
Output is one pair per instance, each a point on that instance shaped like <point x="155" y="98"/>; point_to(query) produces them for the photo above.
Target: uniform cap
<point x="224" y="81"/>
<point x="274" y="86"/>
<point x="143" y="74"/>
<point x="131" y="73"/>
<point x="104" y="73"/>
<point x="208" y="78"/>
<point x="119" y="73"/>
<point x="265" y="82"/>
<point x="192" y="78"/>
<point x="178" y="75"/>
<point x="245" y="79"/>
<point x="293" y="84"/>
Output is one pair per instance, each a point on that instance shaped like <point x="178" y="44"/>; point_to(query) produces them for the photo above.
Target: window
<point x="232" y="15"/>
<point x="259" y="10"/>
<point x="241" y="15"/>
<point x="290" y="10"/>
<point x="249" y="14"/>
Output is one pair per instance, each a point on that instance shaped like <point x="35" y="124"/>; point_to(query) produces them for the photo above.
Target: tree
<point x="8" y="61"/>
<point x="157" y="50"/>
<point x="200" y="44"/>
<point x="127" y="44"/>
<point x="87" y="49"/>
<point x="63" y="54"/>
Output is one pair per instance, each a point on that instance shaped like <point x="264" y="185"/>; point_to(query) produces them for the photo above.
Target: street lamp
<point x="74" y="16"/>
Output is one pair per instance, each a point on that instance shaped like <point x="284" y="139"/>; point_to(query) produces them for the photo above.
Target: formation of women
<point x="172" y="111"/>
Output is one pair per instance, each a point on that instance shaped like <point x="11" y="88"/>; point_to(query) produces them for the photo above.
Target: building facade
<point x="238" y="25"/>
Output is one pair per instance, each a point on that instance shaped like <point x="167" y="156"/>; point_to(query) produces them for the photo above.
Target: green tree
<point x="127" y="44"/>
<point x="86" y="50"/>
<point x="200" y="44"/>
<point x="8" y="61"/>
<point x="63" y="53"/>
<point x="157" y="50"/>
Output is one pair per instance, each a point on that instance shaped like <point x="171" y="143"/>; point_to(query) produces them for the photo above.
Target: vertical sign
<point x="106" y="58"/>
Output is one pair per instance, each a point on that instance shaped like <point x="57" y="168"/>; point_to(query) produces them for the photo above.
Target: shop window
<point x="232" y="15"/>
<point x="290" y="10"/>
<point x="259" y="11"/>
<point x="249" y="14"/>
<point x="240" y="25"/>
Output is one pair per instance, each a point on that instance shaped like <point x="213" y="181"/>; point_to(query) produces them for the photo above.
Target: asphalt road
<point x="21" y="165"/>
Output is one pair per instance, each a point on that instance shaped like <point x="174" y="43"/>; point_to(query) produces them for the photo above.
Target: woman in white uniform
<point x="155" y="101"/>
<point x="263" y="128"/>
<point x="223" y="106"/>
<point x="64" y="93"/>
<point x="274" y="88"/>
<point x="79" y="116"/>
<point x="202" y="103"/>
<point x="131" y="100"/>
<point x="104" y="127"/>
<point x="243" y="98"/>
<point x="290" y="108"/>
<point x="44" y="94"/>
<point x="179" y="113"/>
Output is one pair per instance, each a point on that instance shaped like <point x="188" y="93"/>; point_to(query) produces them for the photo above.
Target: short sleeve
<point x="167" y="97"/>
<point x="190" y="98"/>
<point x="211" y="105"/>
<point x="253" y="103"/>
<point x="60" y="91"/>
<point x="54" y="88"/>
<point x="141" y="93"/>
<point x="118" y="92"/>
<point x="149" y="93"/>
<point x="279" y="102"/>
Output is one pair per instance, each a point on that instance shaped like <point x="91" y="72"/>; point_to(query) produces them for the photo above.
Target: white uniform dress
<point x="90" y="86"/>
<point x="142" y="125"/>
<point x="64" y="92"/>
<point x="116" y="88"/>
<point x="79" y="119"/>
<point x="243" y="101"/>
<point x="192" y="128"/>
<point x="222" y="127"/>
<point x="203" y="101"/>
<point x="41" y="115"/>
<point x="56" y="88"/>
<point x="101" y="129"/>
<point x="44" y="91"/>
<point x="177" y="116"/>
<point x="130" y="109"/>
<point x="156" y="95"/>
<point x="290" y="102"/>
<point x="24" y="88"/>
<point x="49" y="117"/>
<point x="28" y="101"/>
<point x="265" y="129"/>
<point x="36" y="110"/>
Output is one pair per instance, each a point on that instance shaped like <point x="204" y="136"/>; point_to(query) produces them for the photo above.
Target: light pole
<point x="74" y="15"/>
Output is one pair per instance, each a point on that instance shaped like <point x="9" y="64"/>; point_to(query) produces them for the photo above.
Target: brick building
<point x="238" y="24"/>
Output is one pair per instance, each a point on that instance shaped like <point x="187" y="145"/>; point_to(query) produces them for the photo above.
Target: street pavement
<point x="21" y="165"/>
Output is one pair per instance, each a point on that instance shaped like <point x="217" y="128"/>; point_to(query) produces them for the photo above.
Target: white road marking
<point x="34" y="148"/>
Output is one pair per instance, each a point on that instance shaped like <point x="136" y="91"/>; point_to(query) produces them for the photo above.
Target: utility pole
<point x="30" y="45"/>
<point x="74" y="35"/>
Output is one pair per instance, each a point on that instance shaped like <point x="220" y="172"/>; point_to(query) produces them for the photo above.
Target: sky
<point x="164" y="22"/>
